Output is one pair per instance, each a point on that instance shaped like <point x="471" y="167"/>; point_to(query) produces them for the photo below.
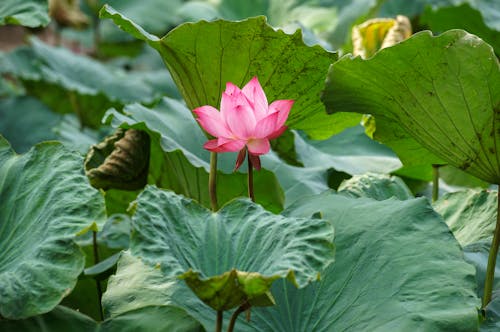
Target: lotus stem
<point x="212" y="181"/>
<point x="76" y="108"/>
<point x="435" y="182"/>
<point x="250" y="178"/>
<point x="218" y="326"/>
<point x="98" y="284"/>
<point x="492" y="259"/>
<point x="245" y="306"/>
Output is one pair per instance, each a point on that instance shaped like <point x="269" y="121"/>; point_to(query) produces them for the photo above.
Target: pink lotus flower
<point x="245" y="121"/>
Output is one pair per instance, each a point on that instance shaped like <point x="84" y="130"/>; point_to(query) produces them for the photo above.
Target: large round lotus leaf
<point x="232" y="256"/>
<point x="471" y="215"/>
<point x="398" y="268"/>
<point x="443" y="91"/>
<point x="46" y="201"/>
<point x="204" y="56"/>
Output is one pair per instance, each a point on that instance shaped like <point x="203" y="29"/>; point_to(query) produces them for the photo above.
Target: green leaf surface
<point x="417" y="160"/>
<point x="69" y="132"/>
<point x="388" y="274"/>
<point x="46" y="201"/>
<point x="376" y="186"/>
<point x="351" y="152"/>
<point x="36" y="124"/>
<point x="204" y="56"/>
<point x="179" y="162"/>
<point x="296" y="181"/>
<point x="441" y="19"/>
<point x="471" y="215"/>
<point x="59" y="319"/>
<point x="71" y="83"/>
<point x="431" y="89"/>
<point x="155" y="299"/>
<point x="160" y="319"/>
<point x="30" y="13"/>
<point x="253" y="245"/>
<point x="148" y="13"/>
<point x="477" y="254"/>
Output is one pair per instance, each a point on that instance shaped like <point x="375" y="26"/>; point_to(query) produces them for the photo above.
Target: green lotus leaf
<point x="376" y="186"/>
<point x="202" y="57"/>
<point x="161" y="319"/>
<point x="157" y="295"/>
<point x="296" y="181"/>
<point x="417" y="160"/>
<point x="179" y="162"/>
<point x="477" y="254"/>
<point x="471" y="215"/>
<point x="46" y="201"/>
<point x="59" y="319"/>
<point x="430" y="88"/>
<point x="71" y="83"/>
<point x="389" y="276"/>
<point x="351" y="152"/>
<point x="440" y="19"/>
<point x="220" y="293"/>
<point x="187" y="240"/>
<point x="30" y="13"/>
<point x="35" y="127"/>
<point x="148" y="13"/>
<point x="70" y="132"/>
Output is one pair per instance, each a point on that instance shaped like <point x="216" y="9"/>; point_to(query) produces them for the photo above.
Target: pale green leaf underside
<point x="376" y="186"/>
<point x="179" y="235"/>
<point x="471" y="215"/>
<point x="46" y="201"/>
<point x="138" y="287"/>
<point x="443" y="91"/>
<point x="202" y="57"/>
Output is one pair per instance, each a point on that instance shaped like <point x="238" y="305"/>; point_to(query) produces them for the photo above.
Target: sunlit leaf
<point x="440" y="19"/>
<point x="376" y="186"/>
<point x="471" y="215"/>
<point x="429" y="87"/>
<point x="204" y="56"/>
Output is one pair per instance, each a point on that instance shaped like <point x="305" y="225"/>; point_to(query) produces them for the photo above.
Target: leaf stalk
<point x="212" y="181"/>
<point x="97" y="282"/>
<point x="492" y="259"/>
<point x="244" y="307"/>
<point x="250" y="178"/>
